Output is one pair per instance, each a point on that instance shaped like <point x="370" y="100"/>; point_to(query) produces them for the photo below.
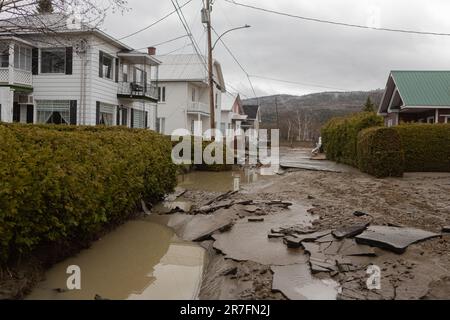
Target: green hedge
<point x="380" y="152"/>
<point x="426" y="146"/>
<point x="61" y="183"/>
<point x="340" y="135"/>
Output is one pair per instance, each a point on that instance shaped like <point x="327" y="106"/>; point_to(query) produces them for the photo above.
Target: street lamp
<point x="228" y="31"/>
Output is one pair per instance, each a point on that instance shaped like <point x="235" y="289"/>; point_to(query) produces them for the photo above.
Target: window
<point x="162" y="94"/>
<point x="193" y="94"/>
<point x="53" y="60"/>
<point x="125" y="73"/>
<point x="4" y="57"/>
<point x="138" y="119"/>
<point x="22" y="58"/>
<point x="53" y="111"/>
<point x="106" y="116"/>
<point x="139" y="76"/>
<point x="106" y="65"/>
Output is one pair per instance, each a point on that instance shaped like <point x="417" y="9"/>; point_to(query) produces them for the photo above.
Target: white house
<point x="233" y="114"/>
<point x="184" y="92"/>
<point x="75" y="75"/>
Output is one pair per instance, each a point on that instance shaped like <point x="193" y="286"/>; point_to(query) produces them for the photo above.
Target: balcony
<point x="137" y="90"/>
<point x="198" y="107"/>
<point x="16" y="77"/>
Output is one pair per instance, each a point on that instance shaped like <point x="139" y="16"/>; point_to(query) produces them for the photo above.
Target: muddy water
<point x="221" y="181"/>
<point x="140" y="260"/>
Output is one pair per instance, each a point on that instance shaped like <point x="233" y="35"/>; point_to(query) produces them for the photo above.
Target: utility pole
<point x="208" y="10"/>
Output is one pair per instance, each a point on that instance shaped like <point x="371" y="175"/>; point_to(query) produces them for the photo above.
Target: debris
<point x="349" y="231"/>
<point x="211" y="208"/>
<point x="178" y="192"/>
<point x="349" y="247"/>
<point x="327" y="238"/>
<point x="99" y="297"/>
<point x="275" y="235"/>
<point x="231" y="271"/>
<point x="255" y="219"/>
<point x="446" y="229"/>
<point x="292" y="242"/>
<point x="251" y="208"/>
<point x="393" y="238"/>
<point x="313" y="236"/>
<point x="221" y="197"/>
<point x="359" y="214"/>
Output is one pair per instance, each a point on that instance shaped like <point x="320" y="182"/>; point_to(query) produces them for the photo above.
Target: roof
<point x="187" y="67"/>
<point x="251" y="111"/>
<point x="423" y="88"/>
<point x="228" y="101"/>
<point x="53" y="23"/>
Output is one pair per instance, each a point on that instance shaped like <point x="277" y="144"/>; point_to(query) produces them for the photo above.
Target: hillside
<point x="300" y="117"/>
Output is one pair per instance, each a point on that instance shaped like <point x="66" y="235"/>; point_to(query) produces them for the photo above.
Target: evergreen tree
<point x="45" y="6"/>
<point x="369" y="106"/>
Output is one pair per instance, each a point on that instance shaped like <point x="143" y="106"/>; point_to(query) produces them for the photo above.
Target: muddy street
<point x="299" y="234"/>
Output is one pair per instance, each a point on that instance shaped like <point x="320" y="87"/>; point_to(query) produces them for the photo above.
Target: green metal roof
<point x="423" y="88"/>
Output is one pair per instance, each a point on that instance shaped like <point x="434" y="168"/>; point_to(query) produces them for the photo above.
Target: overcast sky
<point x="316" y="55"/>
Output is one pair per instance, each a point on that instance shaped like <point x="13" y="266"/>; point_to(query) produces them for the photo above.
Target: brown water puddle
<point x="140" y="260"/>
<point x="221" y="181"/>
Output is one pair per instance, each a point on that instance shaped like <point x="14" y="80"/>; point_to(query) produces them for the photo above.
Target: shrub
<point x="340" y="135"/>
<point x="60" y="183"/>
<point x="426" y="147"/>
<point x="380" y="152"/>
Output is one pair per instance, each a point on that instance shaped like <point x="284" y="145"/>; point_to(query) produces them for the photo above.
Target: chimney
<point x="151" y="51"/>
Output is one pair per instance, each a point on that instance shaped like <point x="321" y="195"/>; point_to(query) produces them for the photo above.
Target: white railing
<point x="16" y="77"/>
<point x="195" y="106"/>
<point x="4" y="75"/>
<point x="23" y="77"/>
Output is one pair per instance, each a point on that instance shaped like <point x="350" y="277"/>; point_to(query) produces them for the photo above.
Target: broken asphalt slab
<point x="349" y="231"/>
<point x="393" y="238"/>
<point x="297" y="283"/>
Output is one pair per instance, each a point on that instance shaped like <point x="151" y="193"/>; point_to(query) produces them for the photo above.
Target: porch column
<point x="436" y="117"/>
<point x="11" y="63"/>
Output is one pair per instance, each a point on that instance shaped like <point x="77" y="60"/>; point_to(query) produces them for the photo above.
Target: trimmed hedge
<point x="380" y="152"/>
<point x="426" y="146"/>
<point x="340" y="135"/>
<point x="61" y="183"/>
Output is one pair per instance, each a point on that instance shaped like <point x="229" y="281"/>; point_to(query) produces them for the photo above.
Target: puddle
<point x="139" y="260"/>
<point x="221" y="181"/>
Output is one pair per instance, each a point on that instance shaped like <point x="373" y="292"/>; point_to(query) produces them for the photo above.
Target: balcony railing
<point x="16" y="77"/>
<point x="194" y="106"/>
<point x="136" y="90"/>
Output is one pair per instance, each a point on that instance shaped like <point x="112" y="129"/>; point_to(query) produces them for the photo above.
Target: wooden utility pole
<point x="210" y="67"/>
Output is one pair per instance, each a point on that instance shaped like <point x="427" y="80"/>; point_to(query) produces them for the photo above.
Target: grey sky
<point x="301" y="51"/>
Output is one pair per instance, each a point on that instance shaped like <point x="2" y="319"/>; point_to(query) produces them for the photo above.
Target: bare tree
<point x="19" y="16"/>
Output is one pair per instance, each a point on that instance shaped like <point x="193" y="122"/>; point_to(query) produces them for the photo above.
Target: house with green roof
<point x="416" y="96"/>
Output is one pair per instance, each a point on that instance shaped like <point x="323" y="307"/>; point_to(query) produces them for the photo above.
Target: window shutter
<point x="35" y="61"/>
<point x="117" y="70"/>
<point x="146" y="119"/>
<point x="118" y="116"/>
<point x="16" y="112"/>
<point x="124" y="117"/>
<point x="30" y="114"/>
<point x="69" y="60"/>
<point x="73" y="112"/>
<point x="132" y="118"/>
<point x="100" y="64"/>
<point x="97" y="113"/>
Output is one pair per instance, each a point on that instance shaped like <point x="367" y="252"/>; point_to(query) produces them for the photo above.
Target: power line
<point x="343" y="24"/>
<point x="156" y="22"/>
<point x="164" y="42"/>
<point x="238" y="63"/>
<point x="298" y="83"/>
